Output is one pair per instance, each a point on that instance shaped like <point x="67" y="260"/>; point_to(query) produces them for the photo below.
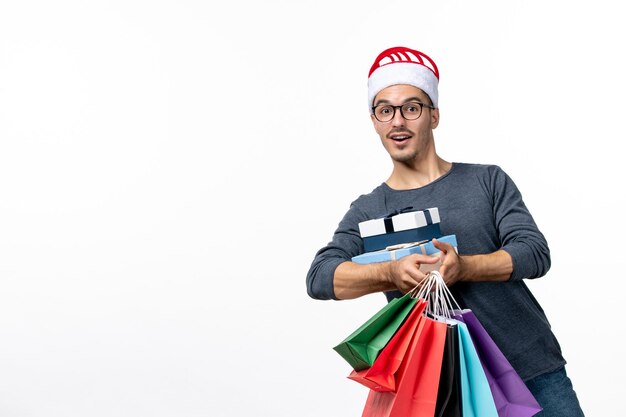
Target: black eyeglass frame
<point x="413" y="103"/>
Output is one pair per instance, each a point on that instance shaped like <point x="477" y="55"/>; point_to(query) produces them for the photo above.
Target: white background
<point x="169" y="168"/>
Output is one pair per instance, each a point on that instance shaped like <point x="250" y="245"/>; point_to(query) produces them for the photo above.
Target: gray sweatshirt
<point x="481" y="205"/>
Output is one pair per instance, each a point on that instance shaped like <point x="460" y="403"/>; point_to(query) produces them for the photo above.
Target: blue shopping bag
<point x="476" y="397"/>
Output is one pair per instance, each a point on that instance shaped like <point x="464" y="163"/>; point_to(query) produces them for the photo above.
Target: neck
<point x="407" y="176"/>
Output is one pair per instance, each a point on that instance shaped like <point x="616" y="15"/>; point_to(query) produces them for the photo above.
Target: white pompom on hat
<point x="400" y="65"/>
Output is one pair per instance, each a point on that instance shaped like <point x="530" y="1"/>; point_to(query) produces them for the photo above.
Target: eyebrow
<point x="408" y="100"/>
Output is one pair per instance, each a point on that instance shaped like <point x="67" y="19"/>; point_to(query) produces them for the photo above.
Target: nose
<point x="398" y="120"/>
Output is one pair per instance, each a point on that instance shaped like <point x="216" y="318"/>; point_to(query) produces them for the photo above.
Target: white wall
<point x="168" y="170"/>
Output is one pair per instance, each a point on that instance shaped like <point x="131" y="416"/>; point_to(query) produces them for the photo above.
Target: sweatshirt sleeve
<point x="345" y="244"/>
<point x="518" y="233"/>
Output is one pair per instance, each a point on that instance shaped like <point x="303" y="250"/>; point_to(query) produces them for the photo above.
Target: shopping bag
<point x="511" y="396"/>
<point x="383" y="375"/>
<point x="476" y="397"/>
<point x="416" y="394"/>
<point x="448" y="394"/>
<point x="361" y="348"/>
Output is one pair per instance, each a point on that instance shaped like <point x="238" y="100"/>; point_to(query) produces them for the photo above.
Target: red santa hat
<point x="400" y="65"/>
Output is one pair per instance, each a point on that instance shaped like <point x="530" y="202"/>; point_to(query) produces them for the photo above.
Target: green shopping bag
<point x="365" y="343"/>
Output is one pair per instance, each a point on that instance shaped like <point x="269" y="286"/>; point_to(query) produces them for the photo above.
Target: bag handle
<point x="440" y="301"/>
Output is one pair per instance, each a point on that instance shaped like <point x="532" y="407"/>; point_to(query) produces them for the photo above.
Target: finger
<point x="416" y="275"/>
<point x="424" y="259"/>
<point x="407" y="283"/>
<point x="442" y="246"/>
<point x="442" y="270"/>
<point x="412" y="288"/>
<point x="416" y="288"/>
<point x="430" y="259"/>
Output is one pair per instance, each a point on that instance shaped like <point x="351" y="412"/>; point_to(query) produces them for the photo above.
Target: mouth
<point x="399" y="137"/>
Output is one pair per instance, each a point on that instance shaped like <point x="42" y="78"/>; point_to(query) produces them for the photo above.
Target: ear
<point x="434" y="118"/>
<point x="374" y="122"/>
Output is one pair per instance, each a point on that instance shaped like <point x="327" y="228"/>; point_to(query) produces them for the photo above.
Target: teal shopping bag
<point x="476" y="397"/>
<point x="361" y="348"/>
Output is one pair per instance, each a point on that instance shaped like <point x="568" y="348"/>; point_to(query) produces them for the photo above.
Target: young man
<point x="499" y="244"/>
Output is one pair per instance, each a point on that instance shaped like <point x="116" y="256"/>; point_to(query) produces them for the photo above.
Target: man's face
<point x="406" y="140"/>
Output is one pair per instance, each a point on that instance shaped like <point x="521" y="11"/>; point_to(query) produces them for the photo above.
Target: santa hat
<point x="400" y="65"/>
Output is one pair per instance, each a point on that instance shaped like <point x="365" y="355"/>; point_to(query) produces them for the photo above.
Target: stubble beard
<point x="413" y="154"/>
<point x="404" y="157"/>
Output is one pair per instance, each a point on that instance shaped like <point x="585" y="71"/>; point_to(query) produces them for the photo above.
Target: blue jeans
<point x="554" y="392"/>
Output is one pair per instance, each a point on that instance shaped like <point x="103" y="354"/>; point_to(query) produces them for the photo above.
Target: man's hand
<point x="451" y="263"/>
<point x="405" y="273"/>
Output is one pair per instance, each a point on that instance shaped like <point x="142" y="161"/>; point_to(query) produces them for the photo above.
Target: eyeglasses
<point x="410" y="111"/>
